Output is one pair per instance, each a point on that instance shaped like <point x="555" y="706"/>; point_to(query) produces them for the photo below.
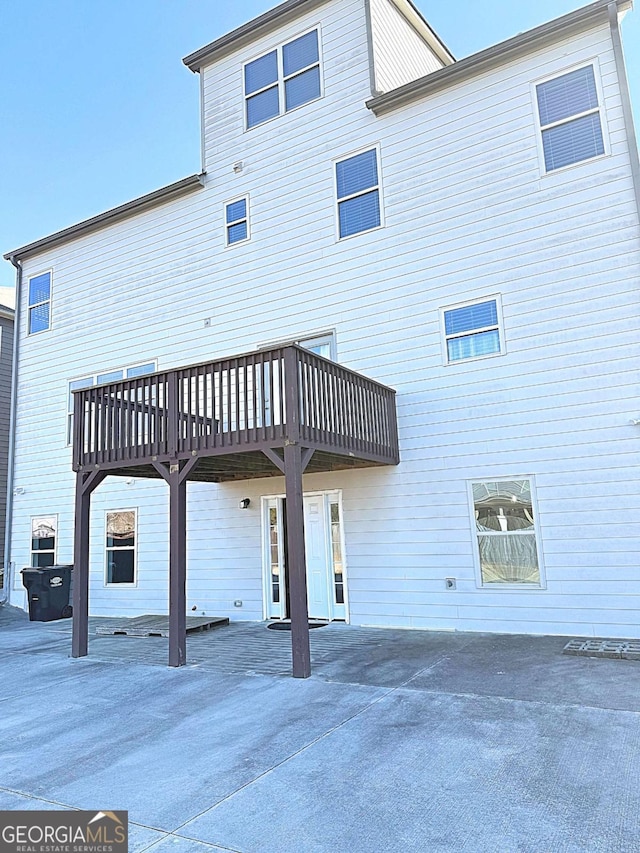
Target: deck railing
<point x="232" y="404"/>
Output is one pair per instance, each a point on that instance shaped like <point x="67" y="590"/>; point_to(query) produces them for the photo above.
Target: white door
<point x="324" y="553"/>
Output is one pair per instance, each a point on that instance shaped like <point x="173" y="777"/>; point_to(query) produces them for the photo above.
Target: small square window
<point x="237" y="221"/>
<point x="40" y="303"/>
<point x="472" y="330"/>
<point x="505" y="530"/>
<point x="570" y="120"/>
<point x="358" y="193"/>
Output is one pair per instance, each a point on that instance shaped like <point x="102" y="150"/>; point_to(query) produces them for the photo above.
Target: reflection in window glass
<point x="120" y="546"/>
<point x="44" y="530"/>
<point x="505" y="527"/>
<point x="274" y="554"/>
<point x="336" y="552"/>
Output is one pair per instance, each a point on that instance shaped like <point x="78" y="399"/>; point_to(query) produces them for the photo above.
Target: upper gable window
<point x="283" y="79"/>
<point x="40" y="303"/>
<point x="570" y="121"/>
<point x="358" y="193"/>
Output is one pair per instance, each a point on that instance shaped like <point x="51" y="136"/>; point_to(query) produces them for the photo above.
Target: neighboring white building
<point x="466" y="233"/>
<point x="6" y="362"/>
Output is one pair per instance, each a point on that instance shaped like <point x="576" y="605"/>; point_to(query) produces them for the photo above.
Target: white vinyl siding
<point x="460" y="224"/>
<point x="570" y="118"/>
<point x="400" y="54"/>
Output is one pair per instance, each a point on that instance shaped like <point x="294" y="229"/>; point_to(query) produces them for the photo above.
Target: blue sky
<point x="97" y="108"/>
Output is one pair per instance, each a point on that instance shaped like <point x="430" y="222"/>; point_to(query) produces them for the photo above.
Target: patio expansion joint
<point x="387" y="692"/>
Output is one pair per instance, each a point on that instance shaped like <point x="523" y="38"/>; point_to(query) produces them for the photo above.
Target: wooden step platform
<point x="158" y="626"/>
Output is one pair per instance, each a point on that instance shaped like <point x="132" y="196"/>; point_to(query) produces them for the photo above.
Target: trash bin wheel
<point x="67" y="611"/>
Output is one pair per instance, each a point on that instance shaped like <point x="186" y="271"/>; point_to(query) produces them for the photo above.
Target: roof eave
<point x="493" y="56"/>
<point x="248" y="32"/>
<point x="109" y="217"/>
<point x="7" y="313"/>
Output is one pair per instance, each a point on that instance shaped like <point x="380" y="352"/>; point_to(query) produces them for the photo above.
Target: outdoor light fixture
<point x="244" y="503"/>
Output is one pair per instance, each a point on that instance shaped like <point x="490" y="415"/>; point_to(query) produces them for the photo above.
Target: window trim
<point x="507" y="587"/>
<point x="336" y="201"/>
<point x="48" y="301"/>
<point x="281" y="80"/>
<point x="497" y="297"/>
<point x="600" y="109"/>
<point x="328" y="335"/>
<point x="56" y="537"/>
<point x="247" y="218"/>
<point x="94" y="384"/>
<point x="106" y="583"/>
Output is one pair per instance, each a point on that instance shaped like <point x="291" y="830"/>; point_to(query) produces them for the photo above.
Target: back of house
<point x="465" y="233"/>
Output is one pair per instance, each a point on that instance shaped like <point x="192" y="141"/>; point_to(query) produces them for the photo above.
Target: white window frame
<point x="247" y="218"/>
<point x="55" y="538"/>
<point x="48" y="301"/>
<point x="444" y="337"/>
<point x="328" y="337"/>
<point x="94" y="383"/>
<point x="282" y="79"/>
<point x="133" y="548"/>
<point x="336" y="204"/>
<point x="507" y="587"/>
<point x="599" y="109"/>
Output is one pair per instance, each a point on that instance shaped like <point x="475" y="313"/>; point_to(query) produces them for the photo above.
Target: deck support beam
<point x="296" y="563"/>
<point x="176" y="477"/>
<point x="86" y="483"/>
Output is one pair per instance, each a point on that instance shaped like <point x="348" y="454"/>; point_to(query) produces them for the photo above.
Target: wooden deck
<point x="267" y="413"/>
<point x="229" y="411"/>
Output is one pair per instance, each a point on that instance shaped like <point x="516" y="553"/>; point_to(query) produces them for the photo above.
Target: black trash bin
<point x="49" y="592"/>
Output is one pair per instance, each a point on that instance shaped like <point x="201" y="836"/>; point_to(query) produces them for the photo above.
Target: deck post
<point x="85" y="485"/>
<point x="296" y="558"/>
<point x="177" y="567"/>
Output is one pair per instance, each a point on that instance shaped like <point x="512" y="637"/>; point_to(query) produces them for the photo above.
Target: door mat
<point x="617" y="649"/>
<point x="158" y="626"/>
<point x="286" y="626"/>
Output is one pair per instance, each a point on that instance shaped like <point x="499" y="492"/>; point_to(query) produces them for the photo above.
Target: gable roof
<point x="115" y="214"/>
<point x="496" y="55"/>
<point x="280" y="15"/>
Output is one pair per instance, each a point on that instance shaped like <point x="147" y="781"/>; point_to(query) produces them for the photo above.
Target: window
<point x="282" y="79"/>
<point x="472" y="330"/>
<point x="121" y="546"/>
<point x="336" y="551"/>
<point x="236" y="215"/>
<point x="39" y="303"/>
<point x="324" y="345"/>
<point x="100" y="379"/>
<point x="358" y="193"/>
<point x="569" y="114"/>
<point x="44" y="530"/>
<point x="504" y="520"/>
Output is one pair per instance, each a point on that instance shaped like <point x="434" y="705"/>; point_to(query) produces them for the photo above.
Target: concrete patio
<point x="401" y="741"/>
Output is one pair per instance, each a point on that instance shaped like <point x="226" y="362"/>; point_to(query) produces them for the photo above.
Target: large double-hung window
<point x="283" y="79"/>
<point x="358" y="193"/>
<point x="570" y="120"/>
